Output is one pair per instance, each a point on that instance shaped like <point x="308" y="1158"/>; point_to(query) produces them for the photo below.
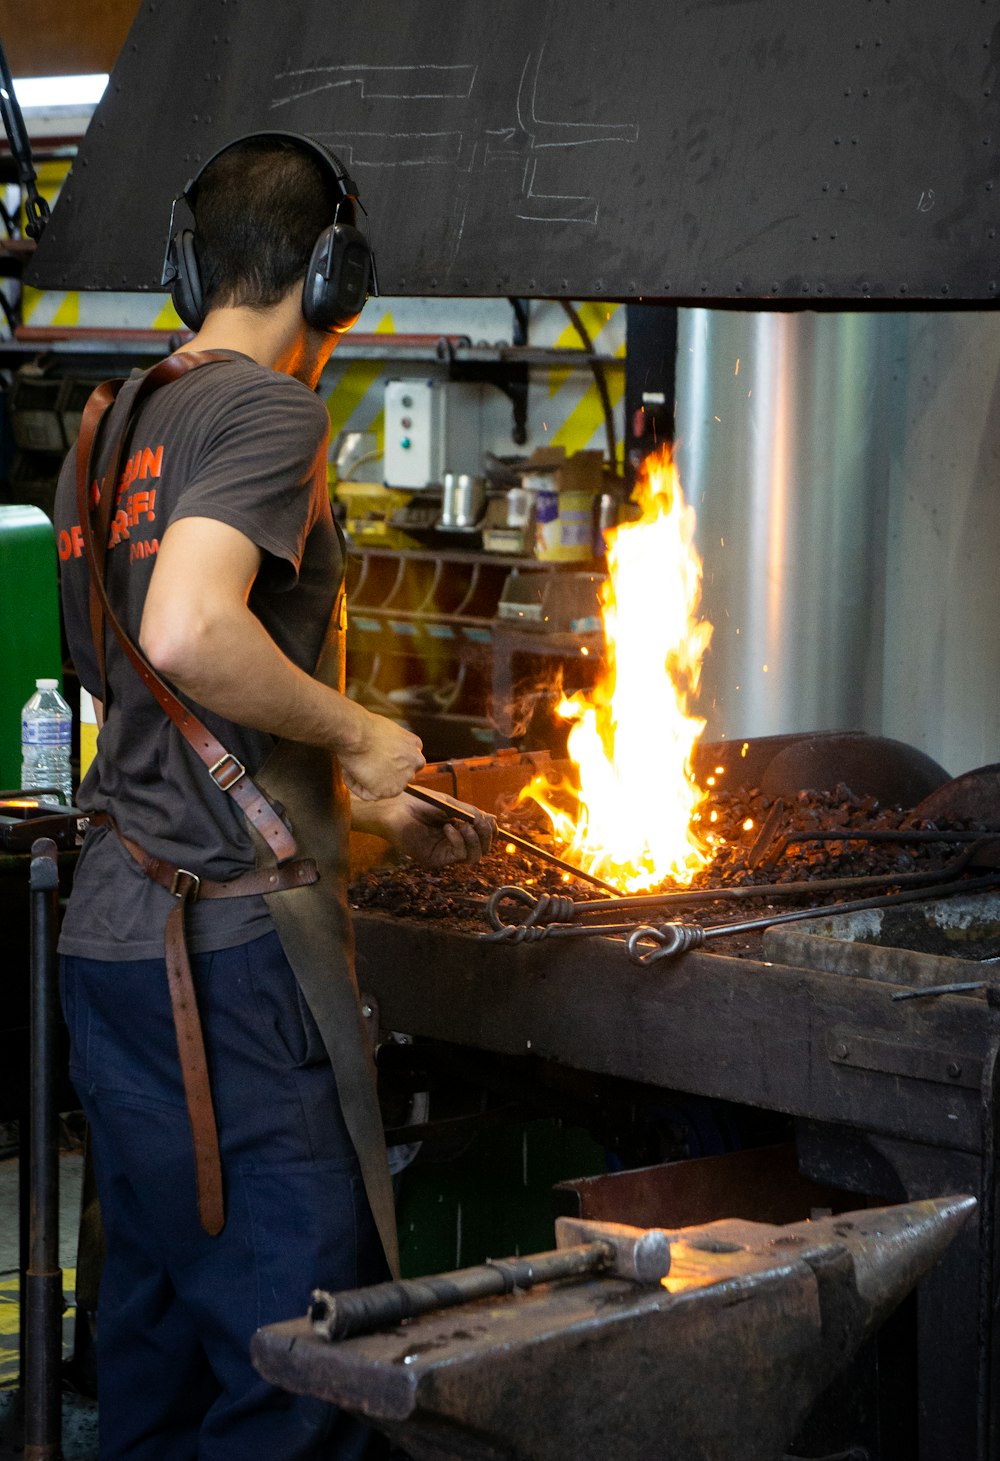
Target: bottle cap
<point x="46" y="684"/>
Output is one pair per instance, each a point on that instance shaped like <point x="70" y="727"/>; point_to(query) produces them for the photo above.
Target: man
<point x="223" y="562"/>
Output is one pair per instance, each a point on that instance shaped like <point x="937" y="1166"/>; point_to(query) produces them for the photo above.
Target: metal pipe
<point x="42" y="1297"/>
<point x="989" y="1094"/>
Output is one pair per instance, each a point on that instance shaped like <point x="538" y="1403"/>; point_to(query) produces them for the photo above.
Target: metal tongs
<point x="461" y="814"/>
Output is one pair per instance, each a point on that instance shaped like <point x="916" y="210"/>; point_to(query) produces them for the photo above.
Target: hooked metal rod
<point x="670" y="939"/>
<point x="747" y="892"/>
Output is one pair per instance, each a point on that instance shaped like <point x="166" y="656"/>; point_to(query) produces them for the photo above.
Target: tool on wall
<point x="36" y="209"/>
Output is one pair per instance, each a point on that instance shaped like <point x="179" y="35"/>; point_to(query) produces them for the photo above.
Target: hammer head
<point x="640" y="1254"/>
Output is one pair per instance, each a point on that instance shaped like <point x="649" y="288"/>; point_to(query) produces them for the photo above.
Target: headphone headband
<point x="328" y="160"/>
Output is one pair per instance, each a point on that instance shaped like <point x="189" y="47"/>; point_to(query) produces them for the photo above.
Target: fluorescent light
<point x="43" y="92"/>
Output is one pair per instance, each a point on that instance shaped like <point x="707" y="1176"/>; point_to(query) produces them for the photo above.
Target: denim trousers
<point x="177" y="1308"/>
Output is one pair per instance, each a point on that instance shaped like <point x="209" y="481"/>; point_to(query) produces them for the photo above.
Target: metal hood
<point x="739" y="151"/>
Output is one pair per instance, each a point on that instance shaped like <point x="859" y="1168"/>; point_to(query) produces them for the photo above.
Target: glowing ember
<point x="634" y="820"/>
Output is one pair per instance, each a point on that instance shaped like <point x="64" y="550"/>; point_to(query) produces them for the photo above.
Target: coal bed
<point x="762" y="841"/>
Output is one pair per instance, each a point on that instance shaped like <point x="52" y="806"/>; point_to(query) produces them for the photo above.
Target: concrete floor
<point x="79" y="1430"/>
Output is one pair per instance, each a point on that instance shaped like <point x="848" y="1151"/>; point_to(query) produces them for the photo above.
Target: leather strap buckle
<point x="192" y="888"/>
<point x="227" y="771"/>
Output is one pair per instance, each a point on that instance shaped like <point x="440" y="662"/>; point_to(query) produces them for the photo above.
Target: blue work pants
<point x="177" y="1308"/>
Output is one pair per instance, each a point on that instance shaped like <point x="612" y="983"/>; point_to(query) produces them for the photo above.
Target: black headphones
<point x="341" y="273"/>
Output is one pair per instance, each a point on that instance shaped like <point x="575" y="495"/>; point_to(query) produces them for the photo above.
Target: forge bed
<point x="894" y="1099"/>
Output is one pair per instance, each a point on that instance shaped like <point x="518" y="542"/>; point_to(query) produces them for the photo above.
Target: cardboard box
<point x="582" y="472"/>
<point x="565" y="490"/>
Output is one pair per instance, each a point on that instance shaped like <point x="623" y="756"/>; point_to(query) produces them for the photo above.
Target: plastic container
<point x="46" y="736"/>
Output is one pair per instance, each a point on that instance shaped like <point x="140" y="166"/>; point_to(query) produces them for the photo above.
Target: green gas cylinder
<point x="30" y="644"/>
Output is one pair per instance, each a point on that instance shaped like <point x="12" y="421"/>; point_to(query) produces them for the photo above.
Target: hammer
<point x="639" y="1254"/>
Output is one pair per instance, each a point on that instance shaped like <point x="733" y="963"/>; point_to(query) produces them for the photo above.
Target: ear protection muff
<point x="185" y="287"/>
<point x="341" y="272"/>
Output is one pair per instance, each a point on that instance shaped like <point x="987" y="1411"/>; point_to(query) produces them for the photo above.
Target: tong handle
<point x="435" y="799"/>
<point x="460" y="813"/>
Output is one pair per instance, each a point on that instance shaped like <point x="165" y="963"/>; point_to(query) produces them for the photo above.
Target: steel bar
<point x="930" y="991"/>
<point x="43" y="1298"/>
<point x="544" y="908"/>
<point x="433" y="799"/>
<point x="670" y="939"/>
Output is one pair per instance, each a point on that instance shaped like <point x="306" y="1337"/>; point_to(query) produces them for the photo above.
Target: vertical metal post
<point x="42" y="1297"/>
<point x="988" y="1380"/>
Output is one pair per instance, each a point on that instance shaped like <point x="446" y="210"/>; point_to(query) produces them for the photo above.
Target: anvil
<point x="717" y="1354"/>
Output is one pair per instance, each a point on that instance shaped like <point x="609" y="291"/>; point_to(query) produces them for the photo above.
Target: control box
<point x="431" y="427"/>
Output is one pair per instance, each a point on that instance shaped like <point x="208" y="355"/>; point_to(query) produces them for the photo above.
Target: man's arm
<point x="199" y="633"/>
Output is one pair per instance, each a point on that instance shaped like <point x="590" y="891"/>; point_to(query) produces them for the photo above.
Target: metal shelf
<point x="443" y="350"/>
<point x="92" y="350"/>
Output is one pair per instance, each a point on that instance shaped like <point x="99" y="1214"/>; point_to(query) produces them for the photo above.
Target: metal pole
<point x="42" y="1296"/>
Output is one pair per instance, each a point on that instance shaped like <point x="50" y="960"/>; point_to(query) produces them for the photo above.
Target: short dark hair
<point x="258" y="210"/>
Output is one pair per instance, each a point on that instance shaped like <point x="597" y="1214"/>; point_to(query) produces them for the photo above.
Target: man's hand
<point x="426" y="833"/>
<point x="386" y="758"/>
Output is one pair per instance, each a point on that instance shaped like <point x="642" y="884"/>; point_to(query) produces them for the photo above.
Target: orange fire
<point x="633" y="821"/>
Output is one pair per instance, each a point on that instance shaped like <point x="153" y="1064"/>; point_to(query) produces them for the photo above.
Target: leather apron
<point x="314" y="926"/>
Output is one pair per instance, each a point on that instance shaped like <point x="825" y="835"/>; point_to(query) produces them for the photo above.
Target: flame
<point x="633" y="821"/>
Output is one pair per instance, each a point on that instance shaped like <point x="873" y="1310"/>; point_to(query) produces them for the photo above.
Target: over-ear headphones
<point x="341" y="272"/>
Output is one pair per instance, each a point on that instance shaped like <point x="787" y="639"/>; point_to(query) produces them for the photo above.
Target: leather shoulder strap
<point x="95" y="510"/>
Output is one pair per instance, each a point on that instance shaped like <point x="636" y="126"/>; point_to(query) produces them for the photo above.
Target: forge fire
<point x="632" y="814"/>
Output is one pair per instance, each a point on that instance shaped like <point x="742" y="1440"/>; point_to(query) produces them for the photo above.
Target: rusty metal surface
<point x="891" y="1119"/>
<point x="586" y="1370"/>
<point x="763" y="1035"/>
<point x="927" y="944"/>
<point x="583" y="150"/>
<point x="737" y="1029"/>
<point x="761" y="1184"/>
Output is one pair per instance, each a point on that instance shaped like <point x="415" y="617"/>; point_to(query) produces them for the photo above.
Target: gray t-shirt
<point x="244" y="445"/>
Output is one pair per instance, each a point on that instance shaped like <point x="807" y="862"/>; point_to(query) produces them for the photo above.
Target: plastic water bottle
<point x="46" y="731"/>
